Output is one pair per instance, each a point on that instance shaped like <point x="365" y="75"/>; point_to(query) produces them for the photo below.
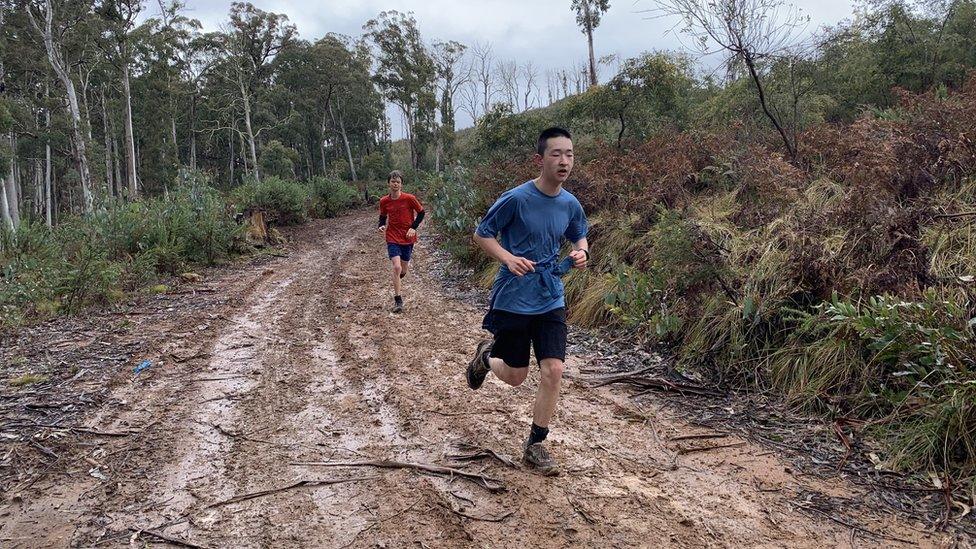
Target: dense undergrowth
<point x="843" y="281"/>
<point x="129" y="247"/>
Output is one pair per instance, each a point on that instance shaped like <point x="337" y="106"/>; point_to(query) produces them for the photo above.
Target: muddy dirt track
<point x="299" y="372"/>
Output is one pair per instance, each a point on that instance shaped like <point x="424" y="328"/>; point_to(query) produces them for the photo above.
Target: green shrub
<point x="909" y="363"/>
<point x="285" y="201"/>
<point x="331" y="196"/>
<point x="89" y="261"/>
<point x="450" y="198"/>
<point x="90" y="278"/>
<point x="278" y="160"/>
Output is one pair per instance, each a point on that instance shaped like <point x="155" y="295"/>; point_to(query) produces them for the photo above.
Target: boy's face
<point x="396" y="185"/>
<point x="557" y="161"/>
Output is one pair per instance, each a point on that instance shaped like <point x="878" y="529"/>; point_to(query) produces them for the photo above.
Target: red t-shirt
<point x="399" y="216"/>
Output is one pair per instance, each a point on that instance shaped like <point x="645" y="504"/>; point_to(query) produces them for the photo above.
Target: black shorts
<point x="514" y="333"/>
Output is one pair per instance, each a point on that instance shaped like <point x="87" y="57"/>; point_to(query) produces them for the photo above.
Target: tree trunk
<point x="47" y="167"/>
<point x="38" y="188"/>
<point x="193" y="132"/>
<point x="130" y="142"/>
<point x="325" y="168"/>
<point x="250" y="131"/>
<point x="8" y="221"/>
<point x="230" y="142"/>
<point x="345" y="139"/>
<point x="84" y="101"/>
<point x="57" y="63"/>
<point x="10" y="186"/>
<point x="589" y="41"/>
<point x="109" y="180"/>
<point x="408" y="113"/>
<point x="762" y="101"/>
<point x="623" y="126"/>
<point x="117" y="164"/>
<point x="176" y="146"/>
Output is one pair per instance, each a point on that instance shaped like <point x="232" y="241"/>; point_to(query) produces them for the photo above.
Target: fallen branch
<point x="194" y="380"/>
<point x="168" y="538"/>
<point x="470" y="452"/>
<point x="490" y="484"/>
<point x="657" y="384"/>
<point x="696" y="437"/>
<point x="686" y="451"/>
<point x="458" y="512"/>
<point x="86" y="431"/>
<point x="262" y="493"/>
<point x="856" y="527"/>
<point x="839" y="431"/>
<point x="579" y="509"/>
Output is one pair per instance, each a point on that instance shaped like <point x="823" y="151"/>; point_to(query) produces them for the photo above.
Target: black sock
<point x="537" y="434"/>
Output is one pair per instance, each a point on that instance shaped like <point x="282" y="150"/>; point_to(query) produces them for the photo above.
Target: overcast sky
<point x="544" y="31"/>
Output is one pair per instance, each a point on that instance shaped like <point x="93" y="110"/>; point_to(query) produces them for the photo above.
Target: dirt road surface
<point x="297" y="371"/>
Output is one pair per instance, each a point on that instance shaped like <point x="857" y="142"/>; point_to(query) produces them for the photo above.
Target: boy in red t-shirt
<point x="400" y="215"/>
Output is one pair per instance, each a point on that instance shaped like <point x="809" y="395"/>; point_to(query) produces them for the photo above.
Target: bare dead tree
<point x="552" y="86"/>
<point x="750" y="32"/>
<point x="470" y="97"/>
<point x="508" y="82"/>
<point x="482" y="66"/>
<point x="529" y="75"/>
<point x="581" y="75"/>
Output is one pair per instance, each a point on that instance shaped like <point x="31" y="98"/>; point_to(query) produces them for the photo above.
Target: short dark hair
<point x="395" y="174"/>
<point x="548" y="134"/>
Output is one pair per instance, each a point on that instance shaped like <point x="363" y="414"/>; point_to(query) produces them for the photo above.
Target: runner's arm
<point x="382" y="226"/>
<point x="580" y="253"/>
<point x="418" y="219"/>
<point x="518" y="265"/>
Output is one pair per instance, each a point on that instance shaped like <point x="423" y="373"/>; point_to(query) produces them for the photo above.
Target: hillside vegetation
<point x="842" y="279"/>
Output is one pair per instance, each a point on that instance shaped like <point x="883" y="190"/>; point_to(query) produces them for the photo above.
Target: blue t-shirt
<point x="532" y="225"/>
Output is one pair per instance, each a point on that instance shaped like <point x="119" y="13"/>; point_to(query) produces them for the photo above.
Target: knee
<point x="511" y="376"/>
<point x="519" y="376"/>
<point x="397" y="269"/>
<point x="552" y="370"/>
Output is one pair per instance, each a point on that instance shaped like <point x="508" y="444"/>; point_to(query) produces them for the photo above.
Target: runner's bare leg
<point x="397" y="269"/>
<point x="549" y="383"/>
<point x="504" y="372"/>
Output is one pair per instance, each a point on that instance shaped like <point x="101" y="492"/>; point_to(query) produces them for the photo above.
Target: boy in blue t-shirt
<point x="527" y="304"/>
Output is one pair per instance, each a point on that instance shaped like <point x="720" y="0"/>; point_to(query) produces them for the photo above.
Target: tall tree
<point x="451" y="76"/>
<point x="42" y="18"/>
<point x="253" y="40"/>
<point x="406" y="73"/>
<point x="588" y="15"/>
<point x="120" y="18"/>
<point x="5" y="123"/>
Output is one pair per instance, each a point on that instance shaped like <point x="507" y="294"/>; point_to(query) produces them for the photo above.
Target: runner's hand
<point x="382" y="228"/>
<point x="519" y="265"/>
<point x="579" y="258"/>
<point x="411" y="232"/>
